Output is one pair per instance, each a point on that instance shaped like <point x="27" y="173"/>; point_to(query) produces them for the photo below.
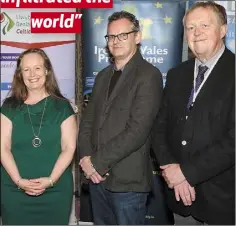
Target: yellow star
<point x="158" y="5"/>
<point x="98" y="20"/>
<point x="168" y="20"/>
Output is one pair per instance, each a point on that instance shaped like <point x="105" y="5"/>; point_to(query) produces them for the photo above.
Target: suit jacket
<point x="115" y="131"/>
<point x="203" y="144"/>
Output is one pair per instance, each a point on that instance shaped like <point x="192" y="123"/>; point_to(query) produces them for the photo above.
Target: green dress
<point x="53" y="207"/>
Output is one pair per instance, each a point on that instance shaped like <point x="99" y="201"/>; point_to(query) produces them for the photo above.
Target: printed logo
<point x="6" y="23"/>
<point x="146" y="31"/>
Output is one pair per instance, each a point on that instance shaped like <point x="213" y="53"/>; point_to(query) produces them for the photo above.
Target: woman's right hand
<point x="30" y="187"/>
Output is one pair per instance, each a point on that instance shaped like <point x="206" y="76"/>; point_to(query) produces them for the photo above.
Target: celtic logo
<point x="8" y="23"/>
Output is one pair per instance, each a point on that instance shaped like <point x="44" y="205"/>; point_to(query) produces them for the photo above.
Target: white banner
<point x="16" y="37"/>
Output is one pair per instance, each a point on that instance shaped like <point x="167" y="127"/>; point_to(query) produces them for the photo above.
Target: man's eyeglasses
<point x="121" y="36"/>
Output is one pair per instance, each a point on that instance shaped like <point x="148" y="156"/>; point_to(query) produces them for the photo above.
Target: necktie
<point x="114" y="79"/>
<point x="199" y="79"/>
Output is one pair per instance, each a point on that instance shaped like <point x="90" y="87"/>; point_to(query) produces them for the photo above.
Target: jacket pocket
<point x="130" y="169"/>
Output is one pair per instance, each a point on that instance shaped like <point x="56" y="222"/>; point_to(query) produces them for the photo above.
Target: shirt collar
<point x="115" y="69"/>
<point x="212" y="60"/>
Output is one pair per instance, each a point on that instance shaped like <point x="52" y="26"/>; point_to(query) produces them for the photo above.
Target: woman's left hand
<point x="43" y="182"/>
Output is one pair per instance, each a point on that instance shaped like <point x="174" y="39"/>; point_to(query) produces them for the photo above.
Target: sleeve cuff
<point x="190" y="173"/>
<point x="101" y="170"/>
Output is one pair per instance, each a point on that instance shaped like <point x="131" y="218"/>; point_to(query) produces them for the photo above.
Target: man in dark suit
<point x="194" y="132"/>
<point x="114" y="137"/>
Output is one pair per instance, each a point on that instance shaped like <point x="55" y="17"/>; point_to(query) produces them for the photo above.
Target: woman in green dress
<point x="38" y="141"/>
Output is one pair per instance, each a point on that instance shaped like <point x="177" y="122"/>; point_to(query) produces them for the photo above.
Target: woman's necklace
<point x="36" y="140"/>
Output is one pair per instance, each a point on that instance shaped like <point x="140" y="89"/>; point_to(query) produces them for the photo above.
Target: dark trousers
<point x="113" y="208"/>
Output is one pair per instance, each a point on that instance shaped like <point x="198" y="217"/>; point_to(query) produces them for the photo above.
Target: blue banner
<point x="230" y="36"/>
<point x="162" y="32"/>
